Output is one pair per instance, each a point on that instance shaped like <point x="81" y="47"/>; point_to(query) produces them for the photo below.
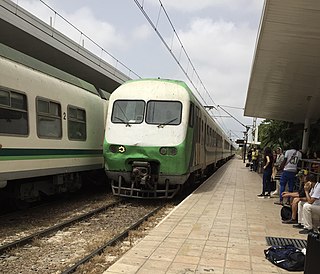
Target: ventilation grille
<point x="286" y="241"/>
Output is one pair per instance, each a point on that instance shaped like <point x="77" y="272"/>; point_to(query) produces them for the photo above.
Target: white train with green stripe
<point x="51" y="127"/>
<point x="158" y="137"/>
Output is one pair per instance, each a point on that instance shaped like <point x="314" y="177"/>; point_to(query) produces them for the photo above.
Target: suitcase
<point x="311" y="265"/>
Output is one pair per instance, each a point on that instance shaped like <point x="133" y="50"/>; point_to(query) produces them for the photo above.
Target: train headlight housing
<point x="117" y="149"/>
<point x="168" y="151"/>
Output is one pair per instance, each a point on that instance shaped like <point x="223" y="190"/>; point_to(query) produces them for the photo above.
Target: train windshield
<point x="164" y="113"/>
<point x="128" y="112"/>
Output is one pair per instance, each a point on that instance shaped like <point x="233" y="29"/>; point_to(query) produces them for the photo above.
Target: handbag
<point x="273" y="185"/>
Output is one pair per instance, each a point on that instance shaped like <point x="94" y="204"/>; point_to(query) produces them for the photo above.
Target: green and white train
<point x="51" y="127"/>
<point x="158" y="136"/>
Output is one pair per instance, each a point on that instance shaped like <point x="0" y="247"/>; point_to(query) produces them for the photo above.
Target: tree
<point x="275" y="133"/>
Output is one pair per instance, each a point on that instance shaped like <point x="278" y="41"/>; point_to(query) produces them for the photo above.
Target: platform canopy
<point x="285" y="78"/>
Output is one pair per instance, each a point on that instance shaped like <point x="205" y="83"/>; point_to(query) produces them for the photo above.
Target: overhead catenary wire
<point x="194" y="71"/>
<point x="91" y="40"/>
<point x="190" y="65"/>
<point x="190" y="70"/>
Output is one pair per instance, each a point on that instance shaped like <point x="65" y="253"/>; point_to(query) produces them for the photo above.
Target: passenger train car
<point x="51" y="127"/>
<point x="157" y="136"/>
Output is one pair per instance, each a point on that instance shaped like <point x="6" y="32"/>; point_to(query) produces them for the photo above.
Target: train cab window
<point x="77" y="127"/>
<point x="164" y="113"/>
<point x="48" y="119"/>
<point x="13" y="113"/>
<point x="128" y="112"/>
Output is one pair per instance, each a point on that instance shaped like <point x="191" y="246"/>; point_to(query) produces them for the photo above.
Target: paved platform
<point x="220" y="228"/>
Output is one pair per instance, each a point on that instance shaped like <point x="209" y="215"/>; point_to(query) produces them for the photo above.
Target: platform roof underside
<point x="285" y="78"/>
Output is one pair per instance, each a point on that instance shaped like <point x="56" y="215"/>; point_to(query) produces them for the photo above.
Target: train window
<point x="43" y="106"/>
<point x="13" y="113"/>
<point x="197" y="124"/>
<point x="219" y="141"/>
<point x="164" y="113"/>
<point x="77" y="128"/>
<point x="48" y="119"/>
<point x="203" y="130"/>
<point x="128" y="112"/>
<point x="191" y="115"/>
<point x="4" y="98"/>
<point x="18" y="101"/>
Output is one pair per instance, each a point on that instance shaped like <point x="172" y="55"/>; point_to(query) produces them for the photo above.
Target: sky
<point x="219" y="37"/>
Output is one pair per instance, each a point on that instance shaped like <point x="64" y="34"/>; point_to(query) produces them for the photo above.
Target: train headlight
<point x="163" y="150"/>
<point x="168" y="151"/>
<point x="173" y="151"/>
<point x="116" y="149"/>
<point x="121" y="149"/>
<point x="113" y="148"/>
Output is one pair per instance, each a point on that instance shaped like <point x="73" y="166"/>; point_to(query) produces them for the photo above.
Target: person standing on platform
<point x="267" y="171"/>
<point x="255" y="156"/>
<point x="276" y="172"/>
<point x="249" y="156"/>
<point x="289" y="166"/>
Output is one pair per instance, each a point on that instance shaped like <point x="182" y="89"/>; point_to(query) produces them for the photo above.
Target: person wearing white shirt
<point x="311" y="206"/>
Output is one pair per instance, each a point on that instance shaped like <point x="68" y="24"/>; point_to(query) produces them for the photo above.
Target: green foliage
<point x="275" y="133"/>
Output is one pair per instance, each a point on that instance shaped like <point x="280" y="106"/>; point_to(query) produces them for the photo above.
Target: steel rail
<point x="50" y="230"/>
<point x="111" y="242"/>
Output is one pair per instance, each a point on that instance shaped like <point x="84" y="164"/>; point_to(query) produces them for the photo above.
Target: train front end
<point x="146" y="149"/>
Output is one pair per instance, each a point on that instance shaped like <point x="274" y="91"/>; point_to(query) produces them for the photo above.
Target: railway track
<point x="64" y="247"/>
<point x="52" y="229"/>
<point x="111" y="242"/>
<point x="77" y="244"/>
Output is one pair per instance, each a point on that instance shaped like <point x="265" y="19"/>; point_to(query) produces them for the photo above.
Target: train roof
<point x="177" y="82"/>
<point x="38" y="65"/>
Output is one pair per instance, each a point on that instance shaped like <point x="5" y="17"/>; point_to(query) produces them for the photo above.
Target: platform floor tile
<point x="220" y="228"/>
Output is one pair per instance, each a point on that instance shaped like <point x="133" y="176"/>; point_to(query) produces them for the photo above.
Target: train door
<point x="215" y="146"/>
<point x="205" y="139"/>
<point x="198" y="137"/>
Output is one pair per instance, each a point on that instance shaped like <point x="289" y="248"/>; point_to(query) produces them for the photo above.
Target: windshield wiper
<point x="123" y="121"/>
<point x="166" y="123"/>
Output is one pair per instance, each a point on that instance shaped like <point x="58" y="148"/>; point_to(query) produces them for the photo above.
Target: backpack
<point x="287" y="257"/>
<point x="286" y="213"/>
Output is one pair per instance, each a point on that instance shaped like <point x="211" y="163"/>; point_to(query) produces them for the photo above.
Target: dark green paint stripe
<point x="25" y="152"/>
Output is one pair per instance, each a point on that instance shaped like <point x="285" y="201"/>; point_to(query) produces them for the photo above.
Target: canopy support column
<point x="306" y="134"/>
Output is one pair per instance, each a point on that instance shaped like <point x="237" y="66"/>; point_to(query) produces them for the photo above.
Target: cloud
<point x="82" y="23"/>
<point x="218" y="35"/>
<point x="103" y="33"/>
<point x="193" y="6"/>
<point x="141" y="32"/>
<point x="222" y="53"/>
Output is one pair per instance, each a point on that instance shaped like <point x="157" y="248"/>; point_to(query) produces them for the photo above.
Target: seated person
<point x="298" y="196"/>
<point x="311" y="204"/>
